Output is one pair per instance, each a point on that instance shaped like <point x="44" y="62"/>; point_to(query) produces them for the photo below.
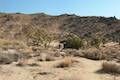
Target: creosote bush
<point x="72" y="41"/>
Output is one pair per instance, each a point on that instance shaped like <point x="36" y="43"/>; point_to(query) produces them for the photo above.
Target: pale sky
<point x="57" y="7"/>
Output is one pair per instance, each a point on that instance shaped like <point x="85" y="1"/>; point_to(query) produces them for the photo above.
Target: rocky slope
<point x="18" y="25"/>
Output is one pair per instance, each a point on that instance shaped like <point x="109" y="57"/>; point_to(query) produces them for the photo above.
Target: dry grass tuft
<point x="111" y="67"/>
<point x="66" y="62"/>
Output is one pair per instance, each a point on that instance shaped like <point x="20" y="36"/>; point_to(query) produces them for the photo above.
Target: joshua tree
<point x="39" y="37"/>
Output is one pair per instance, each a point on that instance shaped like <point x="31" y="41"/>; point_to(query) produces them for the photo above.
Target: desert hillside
<point x="17" y="25"/>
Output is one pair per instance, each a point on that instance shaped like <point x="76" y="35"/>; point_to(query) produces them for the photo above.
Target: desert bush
<point x="111" y="67"/>
<point x="95" y="42"/>
<point x="39" y="37"/>
<point x="93" y="54"/>
<point x="72" y="41"/>
<point x="66" y="62"/>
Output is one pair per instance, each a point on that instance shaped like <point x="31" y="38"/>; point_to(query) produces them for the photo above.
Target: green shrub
<point x="72" y="41"/>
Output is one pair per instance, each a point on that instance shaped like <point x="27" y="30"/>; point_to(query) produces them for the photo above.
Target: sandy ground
<point x="83" y="69"/>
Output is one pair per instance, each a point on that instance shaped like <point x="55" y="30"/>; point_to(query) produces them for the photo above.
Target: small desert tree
<point x="39" y="37"/>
